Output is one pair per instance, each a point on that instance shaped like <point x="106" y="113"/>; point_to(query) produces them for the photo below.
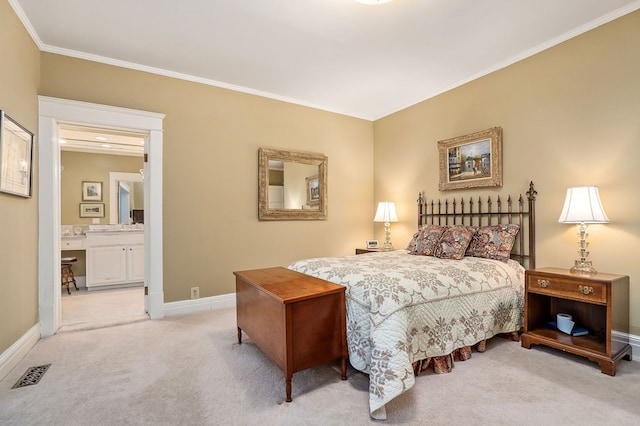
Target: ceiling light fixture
<point x="105" y="145"/>
<point x="101" y="138"/>
<point x="373" y="1"/>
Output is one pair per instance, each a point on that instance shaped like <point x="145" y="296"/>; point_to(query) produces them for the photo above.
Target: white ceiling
<point x="336" y="55"/>
<point x="104" y="141"/>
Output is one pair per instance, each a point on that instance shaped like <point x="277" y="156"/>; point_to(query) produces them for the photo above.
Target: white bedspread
<point x="403" y="308"/>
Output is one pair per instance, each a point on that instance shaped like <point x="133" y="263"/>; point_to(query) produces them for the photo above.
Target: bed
<point x="423" y="306"/>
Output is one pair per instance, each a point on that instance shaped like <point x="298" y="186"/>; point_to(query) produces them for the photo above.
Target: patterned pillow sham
<point x="412" y="244"/>
<point x="425" y="240"/>
<point x="454" y="242"/>
<point x="493" y="242"/>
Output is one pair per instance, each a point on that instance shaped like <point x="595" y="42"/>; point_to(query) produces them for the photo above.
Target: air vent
<point x="32" y="376"/>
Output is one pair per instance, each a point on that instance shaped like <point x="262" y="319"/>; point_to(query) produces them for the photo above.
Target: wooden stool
<point x="66" y="273"/>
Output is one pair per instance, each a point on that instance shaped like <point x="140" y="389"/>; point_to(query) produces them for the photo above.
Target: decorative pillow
<point x="412" y="244"/>
<point x="427" y="240"/>
<point x="454" y="242"/>
<point x="426" y="237"/>
<point x="494" y="242"/>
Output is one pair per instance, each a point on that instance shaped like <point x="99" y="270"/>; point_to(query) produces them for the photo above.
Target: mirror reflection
<point x="130" y="202"/>
<point x="126" y="198"/>
<point x="293" y="194"/>
<point x="292" y="185"/>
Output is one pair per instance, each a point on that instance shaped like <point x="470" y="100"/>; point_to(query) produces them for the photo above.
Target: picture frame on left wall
<point x="16" y="157"/>
<point x="91" y="209"/>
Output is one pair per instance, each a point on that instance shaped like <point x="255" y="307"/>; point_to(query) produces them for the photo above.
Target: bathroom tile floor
<point x="84" y="310"/>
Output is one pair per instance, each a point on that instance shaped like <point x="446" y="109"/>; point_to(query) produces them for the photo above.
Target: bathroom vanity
<point x="114" y="258"/>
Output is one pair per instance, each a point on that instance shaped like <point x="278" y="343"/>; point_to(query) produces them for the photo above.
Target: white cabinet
<point x="135" y="263"/>
<point x="114" y="258"/>
<point x="72" y="243"/>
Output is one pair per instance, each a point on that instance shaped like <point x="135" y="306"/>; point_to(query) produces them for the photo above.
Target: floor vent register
<point x="32" y="376"/>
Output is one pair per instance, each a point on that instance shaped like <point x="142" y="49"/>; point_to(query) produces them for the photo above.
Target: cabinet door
<point x="135" y="263"/>
<point x="106" y="265"/>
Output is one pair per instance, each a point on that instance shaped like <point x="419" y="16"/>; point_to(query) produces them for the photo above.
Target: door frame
<point x="52" y="113"/>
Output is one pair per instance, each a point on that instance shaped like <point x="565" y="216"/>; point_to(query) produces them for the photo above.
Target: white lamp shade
<point x="386" y="212"/>
<point x="583" y="205"/>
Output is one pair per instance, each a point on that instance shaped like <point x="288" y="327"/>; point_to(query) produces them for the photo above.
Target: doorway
<point x="112" y="161"/>
<point x="52" y="113"/>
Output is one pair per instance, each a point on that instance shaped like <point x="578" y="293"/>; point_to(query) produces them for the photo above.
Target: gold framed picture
<point x="471" y="161"/>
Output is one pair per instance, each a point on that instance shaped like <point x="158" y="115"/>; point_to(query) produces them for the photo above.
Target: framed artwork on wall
<point x="471" y="161"/>
<point x="91" y="191"/>
<point x="313" y="190"/>
<point x="91" y="209"/>
<point x="16" y="156"/>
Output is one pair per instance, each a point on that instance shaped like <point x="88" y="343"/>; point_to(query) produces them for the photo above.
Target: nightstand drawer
<point x="590" y="291"/>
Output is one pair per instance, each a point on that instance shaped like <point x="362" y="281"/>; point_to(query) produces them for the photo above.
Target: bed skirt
<point x="444" y="364"/>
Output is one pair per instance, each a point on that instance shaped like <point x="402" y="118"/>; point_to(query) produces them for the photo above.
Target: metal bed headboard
<point x="457" y="212"/>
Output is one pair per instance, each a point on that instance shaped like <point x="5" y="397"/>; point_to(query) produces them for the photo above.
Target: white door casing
<point x="53" y="112"/>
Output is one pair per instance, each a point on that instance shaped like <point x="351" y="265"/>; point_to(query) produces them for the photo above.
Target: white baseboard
<point x="634" y="341"/>
<point x="200" y="305"/>
<point x="12" y="356"/>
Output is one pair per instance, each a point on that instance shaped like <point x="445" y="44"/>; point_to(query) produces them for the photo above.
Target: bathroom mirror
<point x="126" y="198"/>
<point x="292" y="185"/>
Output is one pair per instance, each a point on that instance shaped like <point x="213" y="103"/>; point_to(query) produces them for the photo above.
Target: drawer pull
<point x="543" y="283"/>
<point x="584" y="289"/>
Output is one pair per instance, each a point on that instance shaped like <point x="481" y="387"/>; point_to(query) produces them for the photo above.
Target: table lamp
<point x="386" y="213"/>
<point x="582" y="206"/>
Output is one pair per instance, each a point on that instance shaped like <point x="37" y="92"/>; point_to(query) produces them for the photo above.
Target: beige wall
<point x="82" y="166"/>
<point x="570" y="117"/>
<point x="19" y="77"/>
<point x="211" y="141"/>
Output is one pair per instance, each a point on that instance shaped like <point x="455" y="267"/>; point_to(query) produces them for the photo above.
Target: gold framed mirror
<point x="292" y="185"/>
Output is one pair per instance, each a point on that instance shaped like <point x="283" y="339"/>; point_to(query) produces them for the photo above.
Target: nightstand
<point x="598" y="302"/>
<point x="363" y="250"/>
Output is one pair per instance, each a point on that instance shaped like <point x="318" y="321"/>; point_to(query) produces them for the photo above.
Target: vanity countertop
<point x="115" y="228"/>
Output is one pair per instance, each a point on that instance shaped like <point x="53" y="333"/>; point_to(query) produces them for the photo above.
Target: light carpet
<point x="189" y="370"/>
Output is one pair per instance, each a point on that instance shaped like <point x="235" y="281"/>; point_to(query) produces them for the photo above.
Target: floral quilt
<point x="403" y="308"/>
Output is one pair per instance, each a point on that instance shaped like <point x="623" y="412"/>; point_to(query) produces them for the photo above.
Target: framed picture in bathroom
<point x="91" y="209"/>
<point x="91" y="191"/>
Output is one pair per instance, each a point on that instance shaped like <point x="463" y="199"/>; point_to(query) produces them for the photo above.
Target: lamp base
<point x="583" y="267"/>
<point x="387" y="240"/>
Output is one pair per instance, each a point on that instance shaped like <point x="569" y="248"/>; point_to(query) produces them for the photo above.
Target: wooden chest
<point x="297" y="320"/>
